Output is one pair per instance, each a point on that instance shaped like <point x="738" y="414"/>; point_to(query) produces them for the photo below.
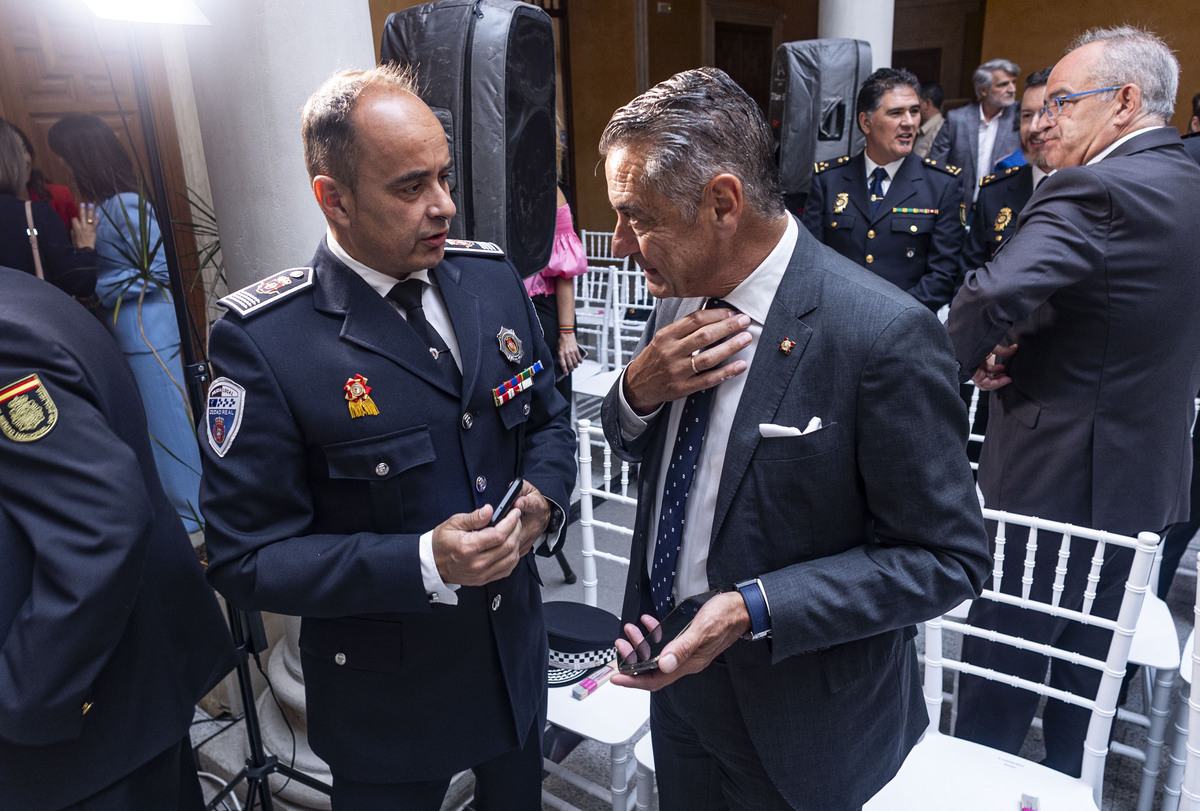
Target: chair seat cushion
<point x="948" y="774"/>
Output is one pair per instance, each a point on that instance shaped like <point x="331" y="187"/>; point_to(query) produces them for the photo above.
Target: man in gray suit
<point x="1092" y="305"/>
<point x="976" y="136"/>
<point x="831" y="499"/>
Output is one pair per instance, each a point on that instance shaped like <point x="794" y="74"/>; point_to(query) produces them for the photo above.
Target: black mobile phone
<point x="507" y="501"/>
<point x="655" y="635"/>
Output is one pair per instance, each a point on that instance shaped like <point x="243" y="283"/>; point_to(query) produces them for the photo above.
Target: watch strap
<point x="756" y="605"/>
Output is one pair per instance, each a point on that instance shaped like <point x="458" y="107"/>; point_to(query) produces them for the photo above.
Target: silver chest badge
<point x="510" y="345"/>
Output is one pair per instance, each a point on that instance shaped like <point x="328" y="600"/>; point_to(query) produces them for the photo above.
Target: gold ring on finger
<point x="692" y="360"/>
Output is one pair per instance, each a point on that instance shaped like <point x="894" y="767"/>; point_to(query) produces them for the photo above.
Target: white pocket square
<point x="769" y="430"/>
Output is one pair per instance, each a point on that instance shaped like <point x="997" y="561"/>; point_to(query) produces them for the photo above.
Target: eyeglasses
<point x="1053" y="107"/>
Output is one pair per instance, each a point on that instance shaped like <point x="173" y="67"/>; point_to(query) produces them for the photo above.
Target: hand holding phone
<point x="651" y="638"/>
<point x="507" y="501"/>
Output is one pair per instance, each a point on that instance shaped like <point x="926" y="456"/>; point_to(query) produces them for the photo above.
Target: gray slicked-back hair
<point x="330" y="142"/>
<point x="1134" y="56"/>
<point x="692" y="127"/>
<point x="983" y="73"/>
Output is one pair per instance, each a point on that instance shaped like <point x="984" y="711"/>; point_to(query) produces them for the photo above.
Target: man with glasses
<point x="1083" y="327"/>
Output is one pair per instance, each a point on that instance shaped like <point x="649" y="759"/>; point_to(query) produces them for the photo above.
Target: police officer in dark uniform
<point x="1004" y="194"/>
<point x="371" y="411"/>
<point x="893" y="212"/>
<point x="108" y="633"/>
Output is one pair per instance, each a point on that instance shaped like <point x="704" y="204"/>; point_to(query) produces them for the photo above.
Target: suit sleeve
<point x="258" y="510"/>
<point x="974" y="246"/>
<point x="1060" y="239"/>
<point x="942" y="144"/>
<point x="610" y="409"/>
<point x="813" y="206"/>
<point x="72" y="271"/>
<point x="85" y="521"/>
<point x="927" y="551"/>
<point x="936" y="286"/>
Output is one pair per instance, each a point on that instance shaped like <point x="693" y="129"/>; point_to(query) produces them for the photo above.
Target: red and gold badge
<point x="358" y="397"/>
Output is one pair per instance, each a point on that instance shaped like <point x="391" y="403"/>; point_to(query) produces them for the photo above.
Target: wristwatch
<point x="756" y="604"/>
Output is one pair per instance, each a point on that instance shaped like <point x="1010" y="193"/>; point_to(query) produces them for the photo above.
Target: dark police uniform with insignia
<point x="315" y="508"/>
<point x="108" y="633"/>
<point x="915" y="238"/>
<point x="1001" y="198"/>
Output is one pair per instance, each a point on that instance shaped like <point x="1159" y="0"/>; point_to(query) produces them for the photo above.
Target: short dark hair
<point x="100" y="164"/>
<point x="933" y="93"/>
<point x="1196" y="105"/>
<point x="879" y="83"/>
<point x="330" y="141"/>
<point x="1038" y="78"/>
<point x="693" y="127"/>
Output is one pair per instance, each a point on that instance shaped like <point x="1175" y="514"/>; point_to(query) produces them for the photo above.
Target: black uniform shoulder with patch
<point x="255" y="298"/>
<point x="466" y="247"/>
<point x="943" y="167"/>
<point x="821" y="166"/>
<point x="1009" y="172"/>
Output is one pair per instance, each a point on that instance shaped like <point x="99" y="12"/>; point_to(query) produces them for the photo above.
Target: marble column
<point x="870" y="20"/>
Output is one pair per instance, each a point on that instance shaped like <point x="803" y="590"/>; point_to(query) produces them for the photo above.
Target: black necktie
<point x="408" y="295"/>
<point x="877" y="177"/>
<point x="689" y="437"/>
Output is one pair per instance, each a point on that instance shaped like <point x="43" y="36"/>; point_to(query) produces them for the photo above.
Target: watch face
<point x="649" y="640"/>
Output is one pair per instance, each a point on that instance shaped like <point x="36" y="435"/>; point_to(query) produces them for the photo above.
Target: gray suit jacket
<point x="958" y="141"/>
<point x="857" y="530"/>
<point x="1098" y="287"/>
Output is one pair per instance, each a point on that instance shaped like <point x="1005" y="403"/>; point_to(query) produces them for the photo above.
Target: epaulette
<point x="821" y="166"/>
<point x="260" y="295"/>
<point x="998" y="175"/>
<point x="466" y="246"/>
<point x="945" y="167"/>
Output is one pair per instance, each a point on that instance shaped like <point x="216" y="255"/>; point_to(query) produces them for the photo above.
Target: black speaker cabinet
<point x="486" y="68"/>
<point x="814" y="84"/>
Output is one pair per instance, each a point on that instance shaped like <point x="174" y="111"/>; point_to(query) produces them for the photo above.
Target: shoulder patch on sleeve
<point x="999" y="175"/>
<point x="466" y="246"/>
<point x="264" y="293"/>
<point x="821" y="166"/>
<point x="224" y="405"/>
<point x="27" y="411"/>
<point x="943" y="167"/>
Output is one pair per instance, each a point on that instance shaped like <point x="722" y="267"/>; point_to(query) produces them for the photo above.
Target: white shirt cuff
<point x="632" y="425"/>
<point x="439" y="592"/>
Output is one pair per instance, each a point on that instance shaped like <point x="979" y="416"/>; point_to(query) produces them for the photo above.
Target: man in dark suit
<point x="1091" y="303"/>
<point x="1002" y="195"/>
<point x="976" y="136"/>
<point x="372" y="411"/>
<point x="108" y="633"/>
<point x="831" y="497"/>
<point x="888" y="209"/>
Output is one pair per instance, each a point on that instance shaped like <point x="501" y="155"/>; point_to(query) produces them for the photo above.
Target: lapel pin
<point x="786" y="346"/>
<point x="515" y="385"/>
<point x="510" y="344"/>
<point x="358" y="398"/>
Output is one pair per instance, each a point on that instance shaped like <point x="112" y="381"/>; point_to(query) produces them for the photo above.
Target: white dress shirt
<point x="753" y="297"/>
<point x="987" y="139"/>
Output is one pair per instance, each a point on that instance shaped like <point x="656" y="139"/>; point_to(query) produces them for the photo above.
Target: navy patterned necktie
<point x="877" y="177"/>
<point x="693" y="423"/>
<point x="408" y="295"/>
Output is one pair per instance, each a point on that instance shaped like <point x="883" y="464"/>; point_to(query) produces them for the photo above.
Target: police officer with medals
<point x="890" y="210"/>
<point x="371" y="411"/>
<point x="1004" y="194"/>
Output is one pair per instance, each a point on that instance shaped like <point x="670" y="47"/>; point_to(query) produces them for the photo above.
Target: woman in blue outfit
<point x="133" y="285"/>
